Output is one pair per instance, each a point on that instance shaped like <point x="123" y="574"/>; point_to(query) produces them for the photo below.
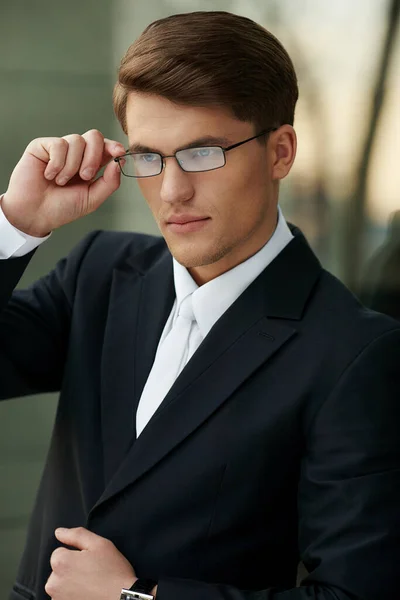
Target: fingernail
<point x="88" y="173"/>
<point x="60" y="530"/>
<point x="62" y="180"/>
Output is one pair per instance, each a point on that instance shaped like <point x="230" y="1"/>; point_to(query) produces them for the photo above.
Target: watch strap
<point x="144" y="585"/>
<point x="141" y="590"/>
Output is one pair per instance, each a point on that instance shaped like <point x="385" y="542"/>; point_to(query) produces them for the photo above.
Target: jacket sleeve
<point x="349" y="491"/>
<point x="35" y="323"/>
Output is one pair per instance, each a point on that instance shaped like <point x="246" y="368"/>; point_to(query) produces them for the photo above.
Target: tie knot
<point x="186" y="309"/>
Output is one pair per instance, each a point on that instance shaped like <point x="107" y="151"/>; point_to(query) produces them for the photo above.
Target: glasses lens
<point x="201" y="159"/>
<point x="142" y="165"/>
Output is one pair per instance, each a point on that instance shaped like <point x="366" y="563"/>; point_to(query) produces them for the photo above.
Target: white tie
<point x="172" y="355"/>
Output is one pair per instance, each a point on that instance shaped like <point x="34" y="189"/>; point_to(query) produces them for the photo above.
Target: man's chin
<point x="190" y="262"/>
<point x="195" y="250"/>
<point x="188" y="255"/>
<point x="193" y="258"/>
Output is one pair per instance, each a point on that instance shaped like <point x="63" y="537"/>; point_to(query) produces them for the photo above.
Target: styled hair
<point x="211" y="58"/>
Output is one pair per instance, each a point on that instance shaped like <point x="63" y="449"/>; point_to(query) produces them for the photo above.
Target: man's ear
<point x="283" y="147"/>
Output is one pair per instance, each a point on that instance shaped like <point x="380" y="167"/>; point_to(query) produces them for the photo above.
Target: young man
<point x="227" y="407"/>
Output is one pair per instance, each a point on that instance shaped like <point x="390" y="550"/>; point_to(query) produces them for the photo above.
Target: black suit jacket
<point x="279" y="441"/>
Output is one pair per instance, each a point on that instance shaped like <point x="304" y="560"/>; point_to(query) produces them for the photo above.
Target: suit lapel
<point x="138" y="308"/>
<point x="245" y="337"/>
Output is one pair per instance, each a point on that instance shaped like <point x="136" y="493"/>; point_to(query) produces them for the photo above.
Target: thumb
<point x="77" y="537"/>
<point x="104" y="186"/>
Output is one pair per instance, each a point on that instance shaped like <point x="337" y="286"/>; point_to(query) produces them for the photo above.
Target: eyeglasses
<point x="191" y="160"/>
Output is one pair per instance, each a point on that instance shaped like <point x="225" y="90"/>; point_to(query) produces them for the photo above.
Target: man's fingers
<point x="92" y="158"/>
<point x="104" y="186"/>
<point x="53" y="151"/>
<point x="99" y="151"/>
<point x="72" y="154"/>
<point x="45" y="149"/>
<point x="112" y="149"/>
<point x="60" y="559"/>
<point x="77" y="537"/>
<point x="76" y="149"/>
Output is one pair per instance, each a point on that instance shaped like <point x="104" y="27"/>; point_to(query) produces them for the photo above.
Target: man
<point x="227" y="407"/>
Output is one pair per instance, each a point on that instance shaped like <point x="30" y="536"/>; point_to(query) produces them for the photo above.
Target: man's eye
<point x="149" y="157"/>
<point x="202" y="152"/>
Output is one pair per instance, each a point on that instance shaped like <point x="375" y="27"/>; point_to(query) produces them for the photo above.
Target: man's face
<point x="212" y="220"/>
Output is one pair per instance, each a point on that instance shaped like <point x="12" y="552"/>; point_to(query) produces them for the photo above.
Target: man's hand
<point x="54" y="182"/>
<point x="96" y="570"/>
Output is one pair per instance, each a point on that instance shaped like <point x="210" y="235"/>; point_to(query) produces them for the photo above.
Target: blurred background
<point x="58" y="64"/>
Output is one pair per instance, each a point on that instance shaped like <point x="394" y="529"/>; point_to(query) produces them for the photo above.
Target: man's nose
<point x="176" y="185"/>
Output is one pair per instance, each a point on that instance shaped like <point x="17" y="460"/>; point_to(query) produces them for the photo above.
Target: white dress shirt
<point x="14" y="243"/>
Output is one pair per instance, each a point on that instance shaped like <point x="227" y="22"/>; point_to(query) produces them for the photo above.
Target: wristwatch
<point x="141" y="590"/>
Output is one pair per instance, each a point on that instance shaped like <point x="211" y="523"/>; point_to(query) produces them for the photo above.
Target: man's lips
<point x="186" y="223"/>
<point x="182" y="219"/>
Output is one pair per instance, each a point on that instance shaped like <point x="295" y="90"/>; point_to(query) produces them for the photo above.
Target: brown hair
<point x="211" y="59"/>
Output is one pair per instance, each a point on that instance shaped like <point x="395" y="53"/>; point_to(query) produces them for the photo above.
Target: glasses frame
<point x="163" y="157"/>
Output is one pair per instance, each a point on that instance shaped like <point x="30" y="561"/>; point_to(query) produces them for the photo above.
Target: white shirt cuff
<point x="15" y="243"/>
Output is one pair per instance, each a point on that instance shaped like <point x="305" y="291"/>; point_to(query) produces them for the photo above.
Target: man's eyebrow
<point x="207" y="140"/>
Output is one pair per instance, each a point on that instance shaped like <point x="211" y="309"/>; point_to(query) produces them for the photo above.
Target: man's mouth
<point x="186" y="223"/>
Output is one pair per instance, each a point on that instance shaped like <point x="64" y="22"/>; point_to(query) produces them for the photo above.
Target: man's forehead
<point x="155" y="120"/>
<point x="191" y="124"/>
<point x="141" y="105"/>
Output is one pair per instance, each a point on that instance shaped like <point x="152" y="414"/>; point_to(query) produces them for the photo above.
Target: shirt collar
<point x="212" y="299"/>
